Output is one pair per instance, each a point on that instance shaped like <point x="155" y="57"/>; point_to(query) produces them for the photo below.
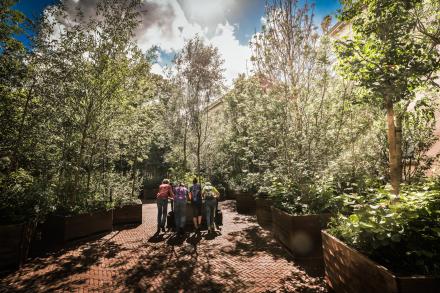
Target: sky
<point x="227" y="24"/>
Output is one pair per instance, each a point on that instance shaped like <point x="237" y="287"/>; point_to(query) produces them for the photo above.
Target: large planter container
<point x="245" y="202"/>
<point x="14" y="244"/>
<point x="264" y="212"/>
<point x="349" y="271"/>
<point x="66" y="228"/>
<point x="129" y="214"/>
<point x="301" y="235"/>
<point x="232" y="194"/>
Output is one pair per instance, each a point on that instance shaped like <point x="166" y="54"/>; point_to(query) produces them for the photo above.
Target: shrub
<point x="402" y="234"/>
<point x="303" y="199"/>
<point x="23" y="198"/>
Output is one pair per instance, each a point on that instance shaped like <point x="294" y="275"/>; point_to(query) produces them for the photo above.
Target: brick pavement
<point x="242" y="257"/>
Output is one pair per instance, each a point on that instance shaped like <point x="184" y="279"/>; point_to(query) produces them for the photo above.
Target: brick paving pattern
<point x="241" y="257"/>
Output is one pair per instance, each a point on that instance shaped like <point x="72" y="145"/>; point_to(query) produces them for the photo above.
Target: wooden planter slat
<point x="349" y="271"/>
<point x="300" y="234"/>
<point x="264" y="212"/>
<point x="65" y="228"/>
<point x="129" y="214"/>
<point x="245" y="203"/>
<point x="14" y="244"/>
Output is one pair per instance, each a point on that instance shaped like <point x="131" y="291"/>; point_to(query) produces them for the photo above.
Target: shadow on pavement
<point x="55" y="271"/>
<point x="253" y="240"/>
<point x="168" y="269"/>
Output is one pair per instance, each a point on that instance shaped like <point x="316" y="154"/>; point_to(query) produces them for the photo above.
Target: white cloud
<point x="171" y="35"/>
<point x="157" y="69"/>
<point x="236" y="56"/>
<point x="165" y="24"/>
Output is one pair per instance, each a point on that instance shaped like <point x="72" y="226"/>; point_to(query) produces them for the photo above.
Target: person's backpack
<point x="209" y="192"/>
<point x="180" y="193"/>
<point x="195" y="191"/>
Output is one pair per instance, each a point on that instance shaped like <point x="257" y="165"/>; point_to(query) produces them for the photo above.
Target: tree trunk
<point x="185" y="133"/>
<point x="394" y="145"/>
<point x="22" y="122"/>
<point x="199" y="142"/>
<point x="399" y="153"/>
<point x="134" y="180"/>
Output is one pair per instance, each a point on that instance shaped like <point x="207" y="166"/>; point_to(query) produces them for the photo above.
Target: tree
<point x="95" y="85"/>
<point x="199" y="77"/>
<point x="284" y="54"/>
<point x="293" y="64"/>
<point x="389" y="59"/>
<point x="13" y="73"/>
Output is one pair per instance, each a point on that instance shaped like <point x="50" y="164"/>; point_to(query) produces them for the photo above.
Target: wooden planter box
<point x="245" y="203"/>
<point x="264" y="212"/>
<point x="129" y="214"/>
<point x="232" y="194"/>
<point x="65" y="228"/>
<point x="14" y="244"/>
<point x="301" y="235"/>
<point x="349" y="271"/>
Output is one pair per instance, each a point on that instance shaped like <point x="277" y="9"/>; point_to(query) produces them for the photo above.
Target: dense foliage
<point x="78" y="114"/>
<point x="293" y="130"/>
<point x="403" y="236"/>
<point x="390" y="60"/>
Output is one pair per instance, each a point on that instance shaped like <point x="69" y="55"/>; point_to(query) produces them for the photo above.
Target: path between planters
<point x="241" y="258"/>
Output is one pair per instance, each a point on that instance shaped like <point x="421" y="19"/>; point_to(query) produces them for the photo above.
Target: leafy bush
<point x="187" y="178"/>
<point x="86" y="202"/>
<point x="23" y="198"/>
<point x="302" y="200"/>
<point x="402" y="234"/>
<point x="127" y="200"/>
<point x="121" y="192"/>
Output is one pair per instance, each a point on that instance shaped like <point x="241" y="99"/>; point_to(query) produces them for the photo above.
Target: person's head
<point x="208" y="183"/>
<point x="165" y="181"/>
<point x="195" y="181"/>
<point x="181" y="184"/>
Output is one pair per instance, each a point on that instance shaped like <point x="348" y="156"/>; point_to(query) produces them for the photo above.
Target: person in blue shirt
<point x="196" y="203"/>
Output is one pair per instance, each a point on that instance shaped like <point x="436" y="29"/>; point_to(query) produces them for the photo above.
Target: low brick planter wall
<point x="14" y="244"/>
<point x="129" y="214"/>
<point x="349" y="271"/>
<point x="246" y="203"/>
<point x="264" y="212"/>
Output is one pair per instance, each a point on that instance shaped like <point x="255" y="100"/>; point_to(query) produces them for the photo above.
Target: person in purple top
<point x="180" y="199"/>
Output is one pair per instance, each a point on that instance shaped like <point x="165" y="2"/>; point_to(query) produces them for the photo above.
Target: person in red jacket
<point x="165" y="193"/>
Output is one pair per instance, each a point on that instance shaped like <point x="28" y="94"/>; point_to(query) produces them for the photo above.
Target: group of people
<point x="180" y="195"/>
